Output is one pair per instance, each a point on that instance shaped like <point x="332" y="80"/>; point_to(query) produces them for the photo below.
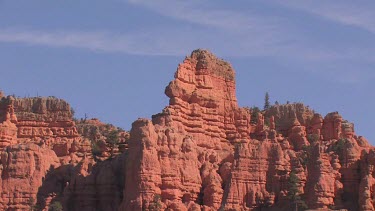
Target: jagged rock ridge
<point x="202" y="152"/>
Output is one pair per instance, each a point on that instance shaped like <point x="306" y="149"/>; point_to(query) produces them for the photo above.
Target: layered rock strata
<point x="48" y="121"/>
<point x="23" y="170"/>
<point x="46" y="159"/>
<point x="202" y="152"/>
<point x="8" y="129"/>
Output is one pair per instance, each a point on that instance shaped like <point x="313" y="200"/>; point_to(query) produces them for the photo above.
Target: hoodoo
<point x="202" y="152"/>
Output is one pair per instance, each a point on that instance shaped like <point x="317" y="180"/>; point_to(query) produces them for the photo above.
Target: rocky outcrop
<point x="202" y="152"/>
<point x="202" y="121"/>
<point x="94" y="186"/>
<point x="256" y="176"/>
<point x="203" y="102"/>
<point x="324" y="188"/>
<point x="8" y="134"/>
<point x="367" y="184"/>
<point x="23" y="170"/>
<point x="241" y="165"/>
<point x="48" y="121"/>
<point x="8" y="129"/>
<point x="100" y="135"/>
<point x="43" y="121"/>
<point x="286" y="116"/>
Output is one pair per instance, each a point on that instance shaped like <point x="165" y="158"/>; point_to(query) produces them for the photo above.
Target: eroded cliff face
<point x="48" y="157"/>
<point x="177" y="154"/>
<point x="8" y="129"/>
<point x="99" y="134"/>
<point x="203" y="102"/>
<point x="47" y="120"/>
<point x="202" y="152"/>
<point x="23" y="169"/>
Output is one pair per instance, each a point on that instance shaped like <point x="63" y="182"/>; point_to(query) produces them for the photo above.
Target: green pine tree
<point x="267" y="101"/>
<point x="294" y="194"/>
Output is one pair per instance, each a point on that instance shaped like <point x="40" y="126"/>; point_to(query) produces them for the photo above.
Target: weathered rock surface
<point x="47" y="120"/>
<point x="180" y="151"/>
<point x="240" y="166"/>
<point x="202" y="152"/>
<point x="8" y="129"/>
<point x="98" y="133"/>
<point x="95" y="186"/>
<point x="23" y="170"/>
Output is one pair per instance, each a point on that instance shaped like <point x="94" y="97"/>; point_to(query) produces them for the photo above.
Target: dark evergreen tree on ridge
<point x="267" y="103"/>
<point x="294" y="194"/>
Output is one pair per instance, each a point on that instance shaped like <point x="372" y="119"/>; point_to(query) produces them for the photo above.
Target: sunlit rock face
<point x="202" y="152"/>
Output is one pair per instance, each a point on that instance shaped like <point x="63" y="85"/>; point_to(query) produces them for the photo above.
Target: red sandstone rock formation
<point x="242" y="173"/>
<point x="52" y="159"/>
<point x="8" y="130"/>
<point x="324" y="186"/>
<point x="48" y="121"/>
<point x="202" y="121"/>
<point x="23" y="170"/>
<point x="202" y="152"/>
<point x="98" y="133"/>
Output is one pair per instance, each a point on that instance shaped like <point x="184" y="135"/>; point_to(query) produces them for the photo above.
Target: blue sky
<point x="112" y="59"/>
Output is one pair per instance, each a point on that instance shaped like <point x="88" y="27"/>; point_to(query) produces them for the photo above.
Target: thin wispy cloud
<point x="198" y="13"/>
<point x="358" y="14"/>
<point x="262" y="34"/>
<point x="97" y="41"/>
<point x="262" y="29"/>
<point x="174" y="42"/>
<point x="93" y="41"/>
<point x="242" y="33"/>
<point x="195" y="24"/>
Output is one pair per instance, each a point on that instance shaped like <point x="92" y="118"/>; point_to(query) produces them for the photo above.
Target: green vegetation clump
<point x="31" y="203"/>
<point x="312" y="138"/>
<point x="294" y="195"/>
<point x="73" y="112"/>
<point x="156" y="203"/>
<point x="267" y="122"/>
<point x="305" y="156"/>
<point x="113" y="140"/>
<point x="339" y="148"/>
<point x="254" y="114"/>
<point x="55" y="206"/>
<point x="95" y="149"/>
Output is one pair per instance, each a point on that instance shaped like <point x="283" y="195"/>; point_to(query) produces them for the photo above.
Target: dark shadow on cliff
<point x="85" y="186"/>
